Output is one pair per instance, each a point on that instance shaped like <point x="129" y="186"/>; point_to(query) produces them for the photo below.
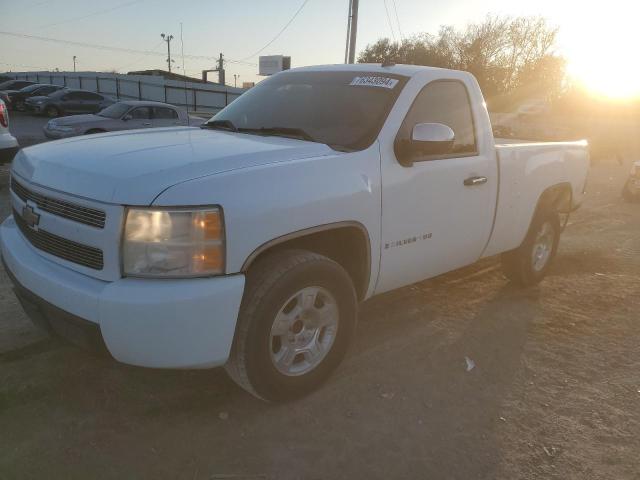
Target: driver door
<point x="139" y="117"/>
<point x="433" y="219"/>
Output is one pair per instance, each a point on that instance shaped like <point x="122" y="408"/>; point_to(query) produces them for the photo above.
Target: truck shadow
<point x="402" y="404"/>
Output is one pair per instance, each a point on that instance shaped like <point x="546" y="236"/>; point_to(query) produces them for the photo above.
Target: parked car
<point x="631" y="190"/>
<point x="68" y="101"/>
<point x="317" y="189"/>
<point x="15" y="98"/>
<point x="128" y="115"/>
<point x="8" y="143"/>
<point x="15" y="84"/>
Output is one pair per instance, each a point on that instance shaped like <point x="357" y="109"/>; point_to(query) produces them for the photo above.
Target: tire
<point x="52" y="111"/>
<point x="274" y="327"/>
<point x="528" y="264"/>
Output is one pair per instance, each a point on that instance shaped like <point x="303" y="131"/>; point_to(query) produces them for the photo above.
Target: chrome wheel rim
<point x="542" y="247"/>
<point x="304" y="331"/>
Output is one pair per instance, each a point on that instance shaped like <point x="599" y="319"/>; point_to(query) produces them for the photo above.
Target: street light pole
<point x="168" y="38"/>
<point x="74" y="63"/>
<point x="235" y="80"/>
<point x="353" y="30"/>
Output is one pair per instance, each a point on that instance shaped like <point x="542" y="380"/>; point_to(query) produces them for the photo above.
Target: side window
<point x="141" y="113"/>
<point x="162" y="113"/>
<point x="73" y="96"/>
<point x="90" y="96"/>
<point x="446" y="102"/>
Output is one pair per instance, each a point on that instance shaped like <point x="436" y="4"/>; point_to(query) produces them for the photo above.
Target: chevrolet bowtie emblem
<point x="30" y="217"/>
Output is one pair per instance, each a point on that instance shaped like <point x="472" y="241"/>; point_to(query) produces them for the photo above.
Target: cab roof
<point x="399" y="69"/>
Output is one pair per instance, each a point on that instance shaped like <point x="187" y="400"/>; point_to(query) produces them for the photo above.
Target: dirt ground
<point x="554" y="391"/>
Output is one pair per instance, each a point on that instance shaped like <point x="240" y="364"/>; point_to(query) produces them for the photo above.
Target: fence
<point x="196" y="97"/>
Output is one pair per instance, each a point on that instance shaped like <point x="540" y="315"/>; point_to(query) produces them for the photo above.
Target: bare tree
<point x="508" y="56"/>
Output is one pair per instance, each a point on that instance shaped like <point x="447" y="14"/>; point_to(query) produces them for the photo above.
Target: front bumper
<point x="186" y="323"/>
<point x="57" y="134"/>
<point x="34" y="107"/>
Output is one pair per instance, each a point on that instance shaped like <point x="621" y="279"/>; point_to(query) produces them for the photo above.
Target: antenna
<point x="186" y="102"/>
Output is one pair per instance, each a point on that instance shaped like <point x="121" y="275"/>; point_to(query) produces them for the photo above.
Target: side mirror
<point x="432" y="138"/>
<point x="127" y="117"/>
<point x="427" y="139"/>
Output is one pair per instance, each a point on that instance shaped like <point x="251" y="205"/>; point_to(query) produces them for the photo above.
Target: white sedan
<point x="127" y="115"/>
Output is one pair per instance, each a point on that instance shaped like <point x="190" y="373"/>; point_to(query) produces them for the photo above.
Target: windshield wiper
<point x="288" y="132"/>
<point x="220" y="125"/>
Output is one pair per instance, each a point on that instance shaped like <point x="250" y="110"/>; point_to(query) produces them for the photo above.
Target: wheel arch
<point x="558" y="197"/>
<point x="348" y="243"/>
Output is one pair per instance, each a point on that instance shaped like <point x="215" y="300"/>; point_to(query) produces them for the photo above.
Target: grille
<point x="61" y="247"/>
<point x="77" y="213"/>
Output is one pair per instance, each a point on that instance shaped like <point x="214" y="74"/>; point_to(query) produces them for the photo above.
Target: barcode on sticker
<point x="374" y="81"/>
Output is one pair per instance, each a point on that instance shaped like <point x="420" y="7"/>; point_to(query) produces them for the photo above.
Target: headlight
<point x="173" y="242"/>
<point x="61" y="128"/>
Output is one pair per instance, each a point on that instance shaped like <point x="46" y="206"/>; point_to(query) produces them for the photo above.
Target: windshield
<point x="117" y="110"/>
<point x="344" y="110"/>
<point x="31" y="88"/>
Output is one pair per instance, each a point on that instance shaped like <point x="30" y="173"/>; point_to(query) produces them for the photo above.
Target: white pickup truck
<point x="250" y="242"/>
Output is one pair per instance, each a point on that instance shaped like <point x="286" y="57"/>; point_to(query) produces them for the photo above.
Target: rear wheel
<point x="528" y="264"/>
<point x="52" y="111"/>
<point x="296" y="320"/>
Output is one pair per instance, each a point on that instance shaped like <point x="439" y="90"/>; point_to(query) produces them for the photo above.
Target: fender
<point x="297" y="237"/>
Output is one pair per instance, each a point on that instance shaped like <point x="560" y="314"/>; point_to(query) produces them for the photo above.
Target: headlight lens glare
<point x="173" y="243"/>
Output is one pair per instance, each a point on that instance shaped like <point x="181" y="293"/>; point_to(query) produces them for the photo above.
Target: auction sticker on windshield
<point x="374" y="81"/>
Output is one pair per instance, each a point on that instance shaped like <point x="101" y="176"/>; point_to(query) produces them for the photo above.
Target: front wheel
<point x="528" y="264"/>
<point x="296" y="320"/>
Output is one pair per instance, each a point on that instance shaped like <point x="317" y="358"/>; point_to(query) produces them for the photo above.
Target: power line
<point x="128" y="64"/>
<point x="279" y="33"/>
<point x="395" y="8"/>
<point x="115" y="49"/>
<point x="99" y="12"/>
<point x="393" y="33"/>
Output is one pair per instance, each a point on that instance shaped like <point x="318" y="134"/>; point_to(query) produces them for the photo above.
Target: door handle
<point x="474" y="181"/>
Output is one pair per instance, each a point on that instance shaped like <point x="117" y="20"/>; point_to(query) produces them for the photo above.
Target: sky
<point x="597" y="38"/>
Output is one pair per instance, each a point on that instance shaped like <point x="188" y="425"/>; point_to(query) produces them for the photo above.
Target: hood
<point x="134" y="168"/>
<point x="79" y="119"/>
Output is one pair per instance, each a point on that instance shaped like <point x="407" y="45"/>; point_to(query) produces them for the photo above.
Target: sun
<point x="611" y="76"/>
<point x="601" y="50"/>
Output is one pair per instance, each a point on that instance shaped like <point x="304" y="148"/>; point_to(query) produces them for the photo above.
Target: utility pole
<point x="221" y="73"/>
<point x="235" y="80"/>
<point x="168" y="38"/>
<point x="352" y="32"/>
<point x="74" y="63"/>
